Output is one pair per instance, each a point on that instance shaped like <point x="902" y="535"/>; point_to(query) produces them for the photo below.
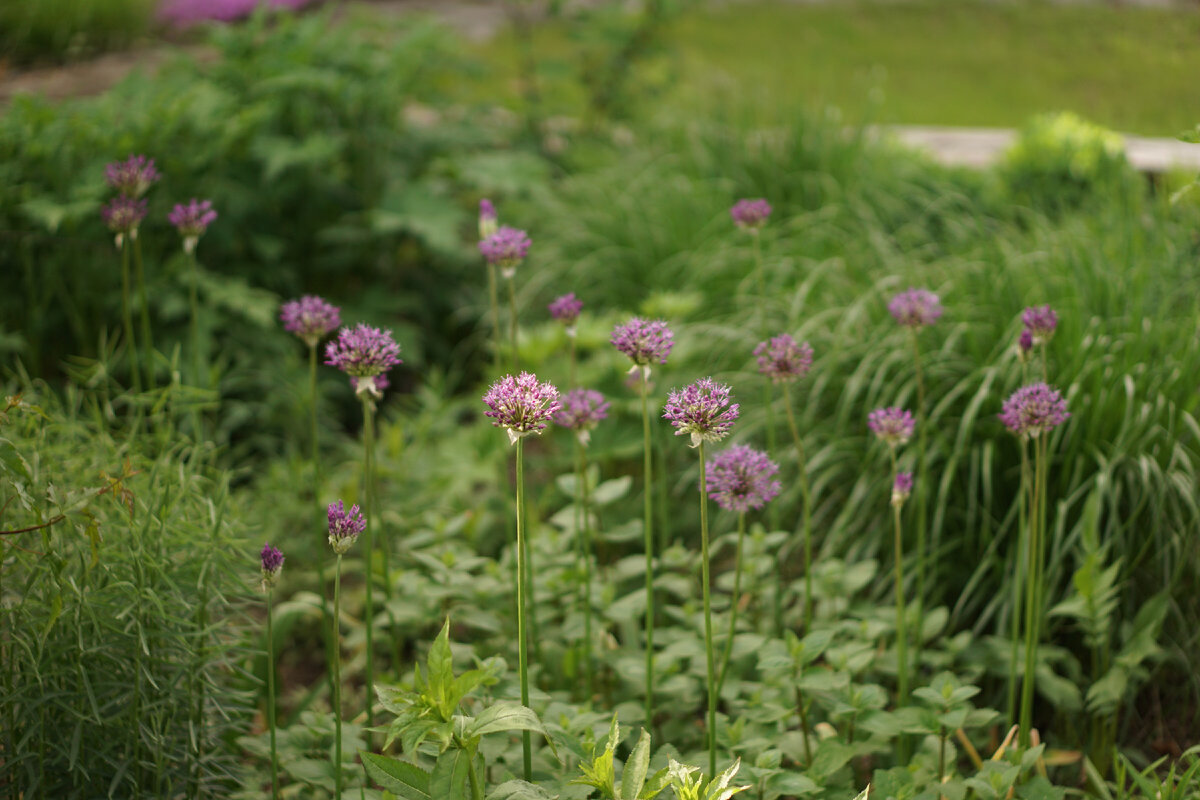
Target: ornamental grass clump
<point x="344" y="528"/>
<point x="785" y="361"/>
<point x="522" y="406"/>
<point x="1031" y="413"/>
<point x="365" y="353"/>
<point x="272" y="564"/>
<point x="704" y="411"/>
<point x="741" y="480"/>
<point x="505" y="250"/>
<point x="581" y="411"/>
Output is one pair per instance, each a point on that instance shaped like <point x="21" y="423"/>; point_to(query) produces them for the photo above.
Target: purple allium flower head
<point x="365" y="353"/>
<point x="521" y="405"/>
<point x="133" y="176"/>
<point x="1041" y="322"/>
<point x="742" y="478"/>
<point x="272" y="563"/>
<point x="487" y="219"/>
<point x="506" y="248"/>
<point x="644" y="341"/>
<point x="311" y="318"/>
<point x="1025" y="343"/>
<point x="901" y="488"/>
<point x="566" y="310"/>
<point x="893" y="425"/>
<point x="192" y="220"/>
<point x="344" y="526"/>
<point x="122" y="215"/>
<point x="1033" y="410"/>
<point x="581" y="410"/>
<point x="750" y="214"/>
<point x="702" y="410"/>
<point x="916" y="308"/>
<point x="783" y="359"/>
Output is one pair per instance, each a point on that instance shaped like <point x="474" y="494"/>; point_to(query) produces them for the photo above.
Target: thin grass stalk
<point x="194" y="335"/>
<point x="337" y="675"/>
<point x="144" y="303"/>
<point x="921" y="496"/>
<point x="803" y="713"/>
<point x="127" y="317"/>
<point x="369" y="555"/>
<point x="1031" y="598"/>
<point x="522" y="642"/>
<point x="734" y="603"/>
<point x="577" y="531"/>
<point x="587" y="580"/>
<point x="271" y="700"/>
<point x="315" y="442"/>
<point x="708" y="634"/>
<point x="901" y="622"/>
<point x="497" y="336"/>
<point x="573" y="369"/>
<point x="1018" y="577"/>
<point x="512" y="321"/>
<point x="806" y="511"/>
<point x="768" y="389"/>
<point x="648" y="513"/>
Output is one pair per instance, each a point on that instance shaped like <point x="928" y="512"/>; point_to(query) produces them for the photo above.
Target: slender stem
<point x="803" y="712"/>
<point x="921" y="492"/>
<point x="127" y="315"/>
<point x="194" y="338"/>
<point x="271" y="700"/>
<point x="337" y="674"/>
<point x="1045" y="365"/>
<point x="315" y="443"/>
<point x="735" y="601"/>
<point x="472" y="776"/>
<point x="1023" y="501"/>
<point x="1033" y="575"/>
<point x="369" y="551"/>
<point x="512" y="320"/>
<point x="806" y="512"/>
<point x="497" y="337"/>
<point x="572" y="382"/>
<point x="768" y="389"/>
<point x="587" y="577"/>
<point x="649" y="536"/>
<point x="522" y="643"/>
<point x="901" y="623"/>
<point x="144" y="303"/>
<point x="708" y="634"/>
<point x="577" y="530"/>
<point x="942" y="757"/>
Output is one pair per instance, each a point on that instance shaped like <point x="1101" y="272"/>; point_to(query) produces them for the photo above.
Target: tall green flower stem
<point x="271" y="699"/>
<point x="921" y="494"/>
<point x="584" y="534"/>
<point x="806" y="512"/>
<point x="144" y="305"/>
<point x="337" y="674"/>
<point x="522" y="641"/>
<point x="901" y="626"/>
<point x="127" y="316"/>
<point x="497" y="336"/>
<point x="571" y="374"/>
<point x="1034" y="592"/>
<point x="369" y="556"/>
<point x="1024" y="500"/>
<point x="315" y="442"/>
<point x="512" y="320"/>
<point x="708" y="633"/>
<point x="194" y="333"/>
<point x="734" y="602"/>
<point x="768" y="389"/>
<point x="647" y="526"/>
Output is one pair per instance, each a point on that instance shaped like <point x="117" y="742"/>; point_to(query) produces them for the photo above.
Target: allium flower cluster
<point x="566" y="310"/>
<point x="506" y="248"/>
<point x="644" y="341"/>
<point x="916" y="308"/>
<point x="311" y="318"/>
<point x="344" y="526"/>
<point x="893" y="425"/>
<point x="487" y="219"/>
<point x="133" y="176"/>
<point x="364" y="353"/>
<point x="750" y="214"/>
<point x="521" y="405"/>
<point x="783" y="359"/>
<point x="122" y="215"/>
<point x="582" y="410"/>
<point x="1033" y="410"/>
<point x="192" y="220"/>
<point x="901" y="488"/>
<point x="272" y="563"/>
<point x="702" y="410"/>
<point x="1040" y="322"/>
<point x="1025" y="342"/>
<point x="742" y="478"/>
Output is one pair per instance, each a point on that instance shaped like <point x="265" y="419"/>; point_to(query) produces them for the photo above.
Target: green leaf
<point x="404" y="779"/>
<point x="633" y="777"/>
<point x="449" y="778"/>
<point x="520" y="790"/>
<point x="1038" y="788"/>
<point x="612" y="490"/>
<point x="505" y="716"/>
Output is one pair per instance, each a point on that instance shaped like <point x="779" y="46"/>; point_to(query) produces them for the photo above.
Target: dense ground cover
<point x="368" y="195"/>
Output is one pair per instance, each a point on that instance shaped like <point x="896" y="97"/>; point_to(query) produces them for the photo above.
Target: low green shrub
<point x="56" y="30"/>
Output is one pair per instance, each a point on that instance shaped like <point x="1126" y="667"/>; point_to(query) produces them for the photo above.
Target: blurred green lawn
<point x="956" y="62"/>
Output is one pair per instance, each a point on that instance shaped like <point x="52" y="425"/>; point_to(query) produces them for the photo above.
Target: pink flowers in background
<point x="1040" y="322"/>
<point x="192" y="220"/>
<point x="783" y="359"/>
<point x="487" y="218"/>
<point x="893" y="425"/>
<point x="742" y="478"/>
<point x="122" y="215"/>
<point x="344" y="526"/>
<point x="364" y="353"/>
<point x="272" y="563"/>
<point x="916" y="308"/>
<point x="901" y="488"/>
<point x="644" y="341"/>
<point x="311" y="318"/>
<point x="521" y="405"/>
<point x="750" y="214"/>
<point x="1033" y="410"/>
<point x="566" y="310"/>
<point x="506" y="248"/>
<point x="582" y="410"/>
<point x="190" y="12"/>
<point x="133" y="176"/>
<point x="702" y="410"/>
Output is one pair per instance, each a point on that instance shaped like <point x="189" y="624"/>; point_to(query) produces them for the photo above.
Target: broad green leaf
<point x="504" y="716"/>
<point x="449" y="778"/>
<point x="404" y="779"/>
<point x="633" y="777"/>
<point x="519" y="790"/>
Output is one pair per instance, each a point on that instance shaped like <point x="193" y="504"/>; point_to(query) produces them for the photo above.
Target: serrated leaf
<point x="404" y="779"/>
<point x="505" y="716"/>
<point x="449" y="778"/>
<point x="633" y="777"/>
